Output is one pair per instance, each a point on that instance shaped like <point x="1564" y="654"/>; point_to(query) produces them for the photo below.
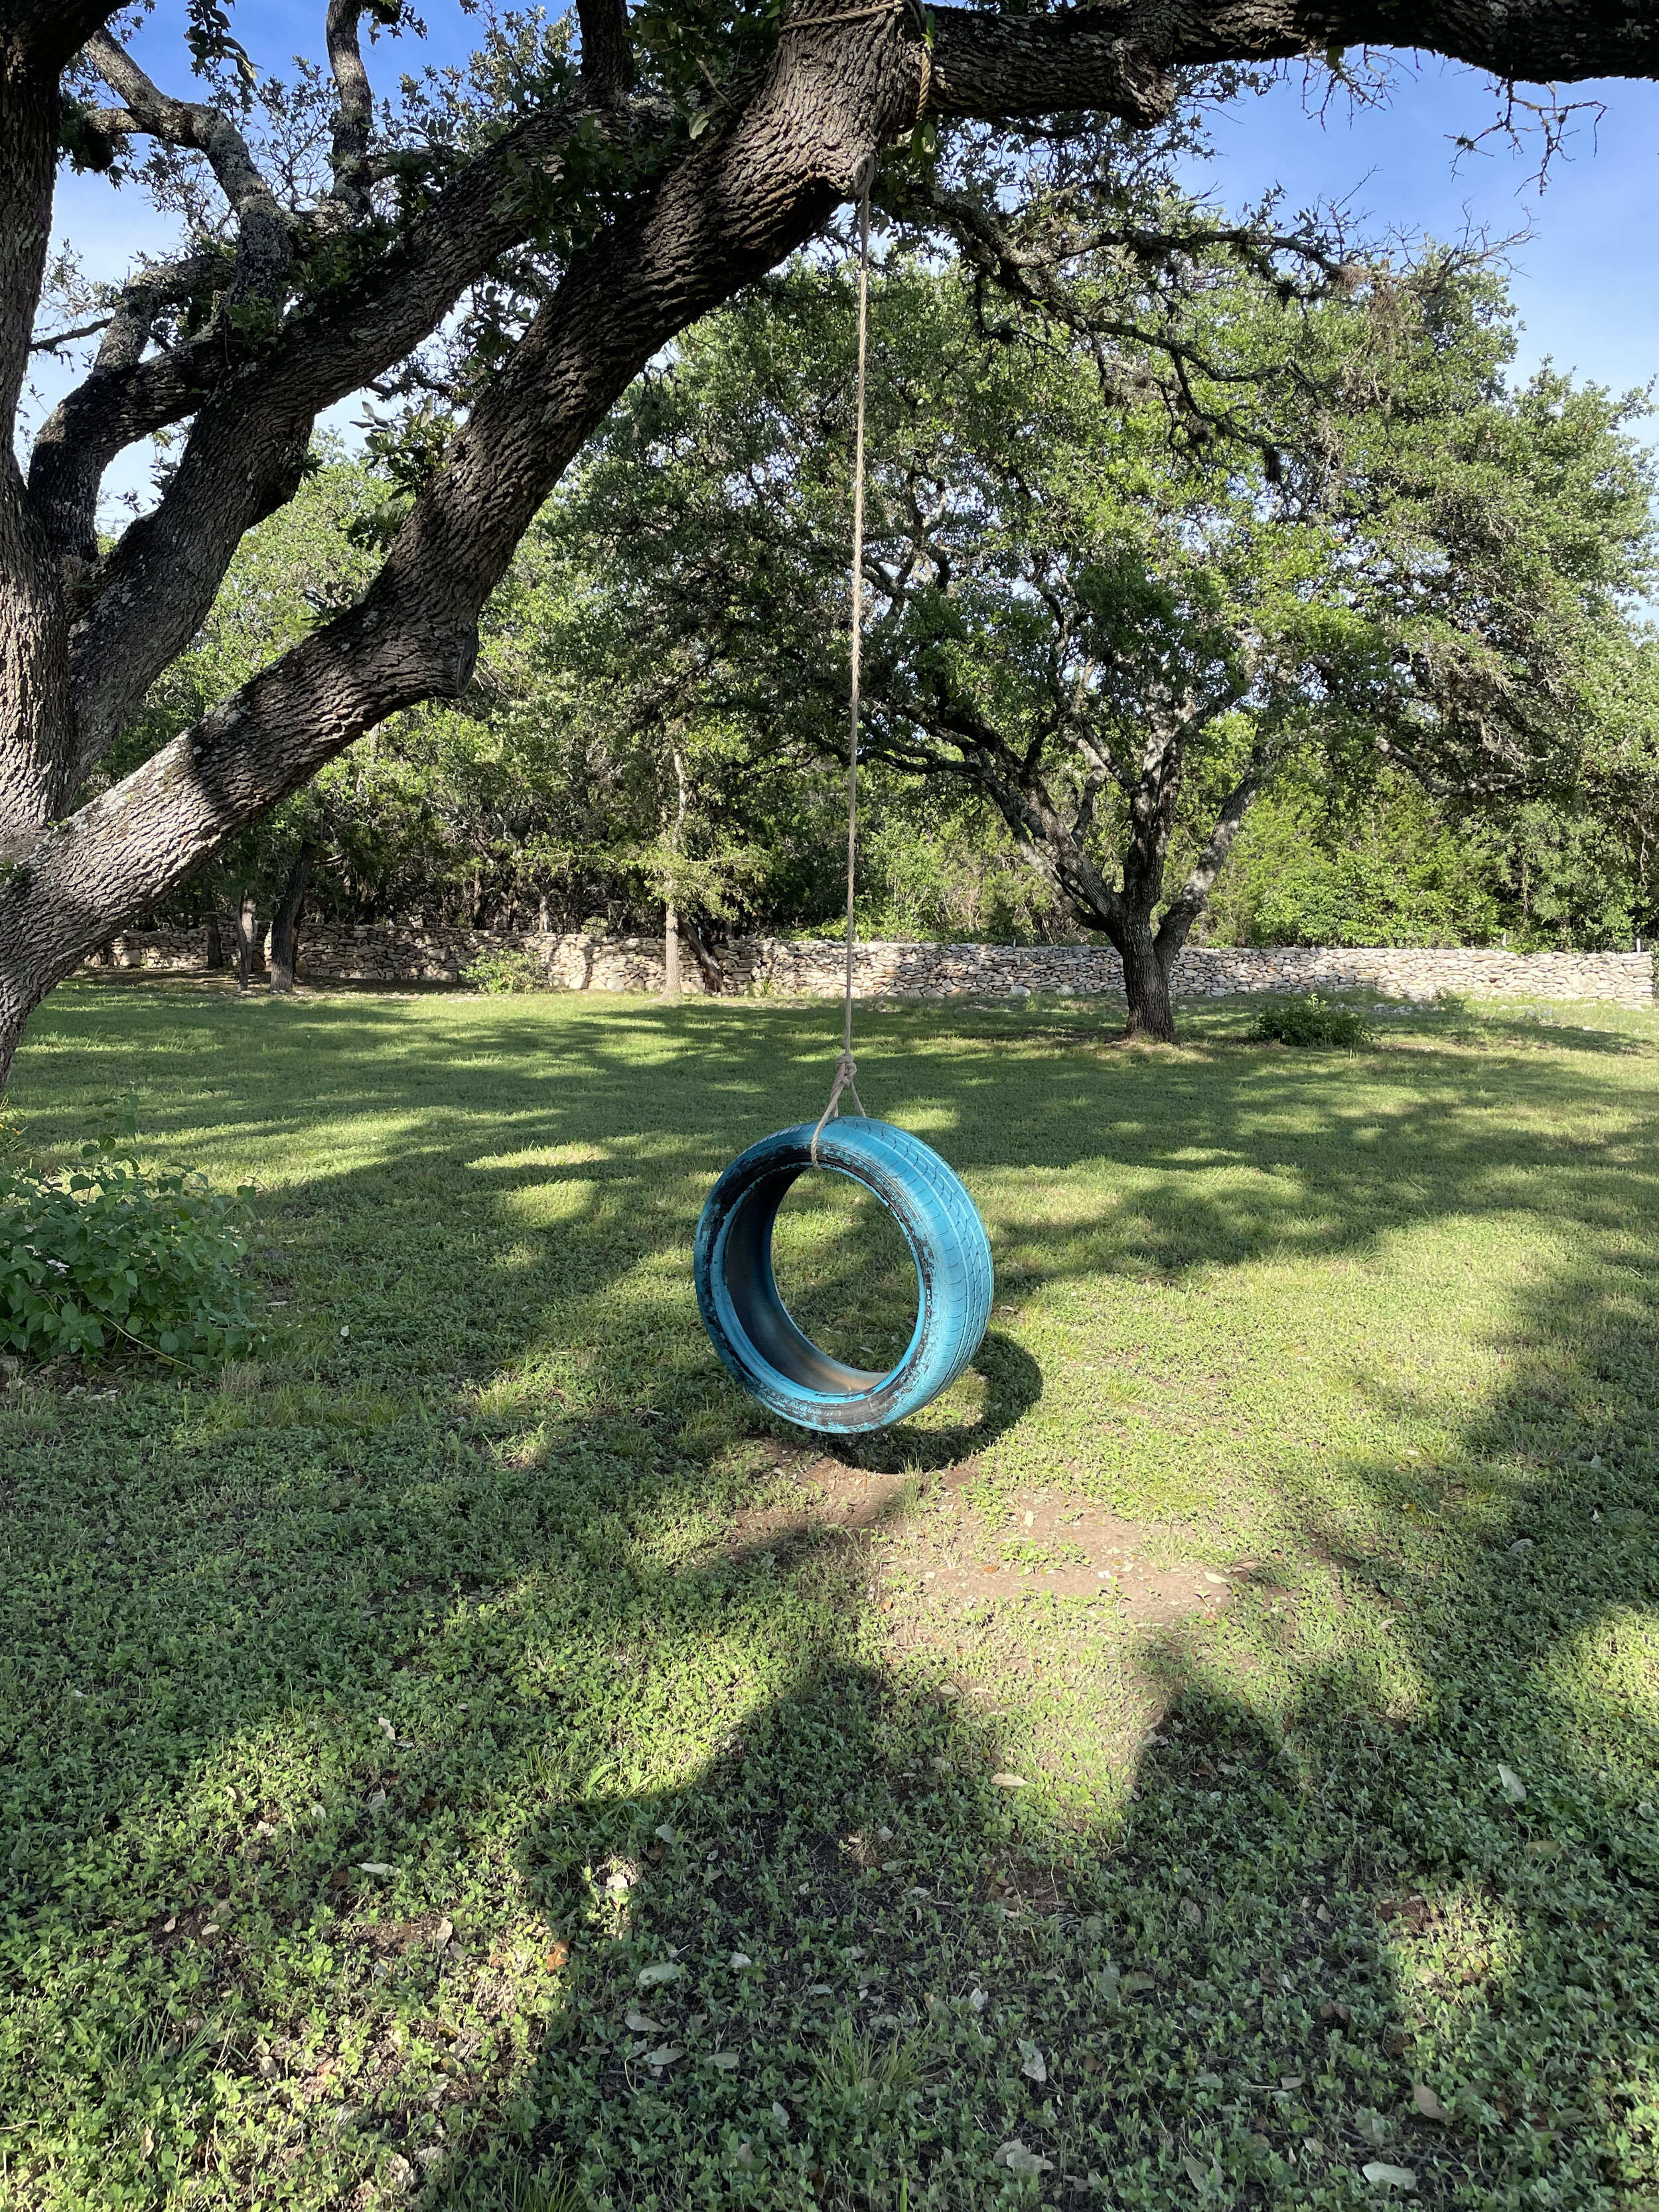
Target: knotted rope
<point x="846" y="1066"/>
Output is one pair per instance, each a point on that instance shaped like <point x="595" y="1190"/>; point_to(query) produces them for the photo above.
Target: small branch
<point x="61" y="338"/>
<point x="265" y="246"/>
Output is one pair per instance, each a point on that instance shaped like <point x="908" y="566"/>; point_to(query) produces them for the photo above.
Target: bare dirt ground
<point x="942" y="1553"/>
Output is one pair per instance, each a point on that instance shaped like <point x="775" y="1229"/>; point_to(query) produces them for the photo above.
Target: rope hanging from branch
<point x="846" y="1066"/>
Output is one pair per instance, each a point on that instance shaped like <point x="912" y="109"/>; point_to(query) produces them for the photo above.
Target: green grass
<point x="374" y="1726"/>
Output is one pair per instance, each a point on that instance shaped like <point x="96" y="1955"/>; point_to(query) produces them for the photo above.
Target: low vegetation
<point x="1309" y="1018"/>
<point x="116" y="1256"/>
<point x="468" y="1758"/>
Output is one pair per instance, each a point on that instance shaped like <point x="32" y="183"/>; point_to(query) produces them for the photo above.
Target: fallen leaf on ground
<point x="1018" y="2160"/>
<point x="1195" y="2172"/>
<point x="1427" y="2103"/>
<point x="1514" y="1788"/>
<point x="374" y="1866"/>
<point x="1392" y="2176"/>
<point x="650" y="1976"/>
<point x="642" y="2022"/>
<point x="664" y="2055"/>
<point x="1008" y="1782"/>
<point x="1034" y="2069"/>
<point x="726" y="2060"/>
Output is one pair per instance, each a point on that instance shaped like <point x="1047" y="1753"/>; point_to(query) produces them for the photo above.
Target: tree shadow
<point x="301" y="1678"/>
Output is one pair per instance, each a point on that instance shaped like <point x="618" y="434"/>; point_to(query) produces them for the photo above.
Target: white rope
<point x="851" y="16"/>
<point x="846" y="1066"/>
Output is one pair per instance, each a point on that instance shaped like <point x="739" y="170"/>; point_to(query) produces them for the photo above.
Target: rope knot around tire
<point x="752" y="1329"/>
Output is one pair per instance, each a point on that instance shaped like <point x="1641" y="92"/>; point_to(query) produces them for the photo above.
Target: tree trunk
<point x="245" y="921"/>
<point x="213" y="942"/>
<point x="1146" y="984"/>
<point x="714" y="979"/>
<point x="670" y="953"/>
<point x="285" y="923"/>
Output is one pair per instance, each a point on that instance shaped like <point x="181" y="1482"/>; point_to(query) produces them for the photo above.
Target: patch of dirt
<point x="940" y="1559"/>
<point x="392" y="1939"/>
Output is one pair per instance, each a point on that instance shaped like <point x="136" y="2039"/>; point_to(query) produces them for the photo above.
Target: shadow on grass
<point x="345" y="1720"/>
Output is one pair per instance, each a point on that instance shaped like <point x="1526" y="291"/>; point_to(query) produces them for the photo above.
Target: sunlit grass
<point x="439" y="1614"/>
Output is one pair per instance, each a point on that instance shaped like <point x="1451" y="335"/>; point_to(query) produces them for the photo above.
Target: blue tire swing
<point x="742" y="1309"/>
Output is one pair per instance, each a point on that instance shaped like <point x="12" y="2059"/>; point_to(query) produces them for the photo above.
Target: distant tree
<point x="1138" y="541"/>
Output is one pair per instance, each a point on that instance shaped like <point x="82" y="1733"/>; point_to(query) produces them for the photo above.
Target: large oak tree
<point x="609" y="203"/>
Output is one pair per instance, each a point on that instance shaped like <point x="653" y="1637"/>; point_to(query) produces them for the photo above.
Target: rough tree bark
<point x="83" y="632"/>
<point x="285" y="923"/>
<point x="1146" y="965"/>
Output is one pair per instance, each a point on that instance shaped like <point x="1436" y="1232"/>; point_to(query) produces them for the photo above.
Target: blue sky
<point x="1585" y="276"/>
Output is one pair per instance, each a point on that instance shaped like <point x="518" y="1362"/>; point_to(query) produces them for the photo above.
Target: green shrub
<point x="504" y="969"/>
<point x="1307" y="1019"/>
<point x="113" y="1254"/>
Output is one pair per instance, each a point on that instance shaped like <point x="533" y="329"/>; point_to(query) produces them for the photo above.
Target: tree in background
<point x="1142" y="536"/>
<point x="527" y="238"/>
<point x="1328" y="861"/>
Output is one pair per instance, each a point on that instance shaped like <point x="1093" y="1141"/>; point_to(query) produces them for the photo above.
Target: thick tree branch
<point x="1120" y="58"/>
<point x="157" y="585"/>
<point x="354" y="116"/>
<point x="87" y="430"/>
<point x="607" y="50"/>
<point x="39" y="37"/>
<point x="736" y="202"/>
<point x="33" y="669"/>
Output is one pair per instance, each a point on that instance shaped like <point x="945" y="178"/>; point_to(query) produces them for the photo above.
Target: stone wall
<point x="812" y="968"/>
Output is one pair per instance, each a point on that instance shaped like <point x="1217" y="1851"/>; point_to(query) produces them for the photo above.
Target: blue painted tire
<point x="750" y="1326"/>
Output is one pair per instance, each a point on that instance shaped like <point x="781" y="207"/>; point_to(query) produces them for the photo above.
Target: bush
<point x="1311" y="1020"/>
<point x="114" y="1255"/>
<point x="504" y="969"/>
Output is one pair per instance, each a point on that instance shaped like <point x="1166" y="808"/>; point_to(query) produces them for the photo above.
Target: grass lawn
<point x="472" y="1759"/>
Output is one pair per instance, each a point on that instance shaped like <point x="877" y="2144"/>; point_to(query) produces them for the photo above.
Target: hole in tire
<point x="845" y="1272"/>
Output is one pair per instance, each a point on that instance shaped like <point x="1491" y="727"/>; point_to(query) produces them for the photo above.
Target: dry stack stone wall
<point x="373" y="952"/>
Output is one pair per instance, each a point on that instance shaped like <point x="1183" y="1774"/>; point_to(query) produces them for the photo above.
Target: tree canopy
<point x="1134" y="550"/>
